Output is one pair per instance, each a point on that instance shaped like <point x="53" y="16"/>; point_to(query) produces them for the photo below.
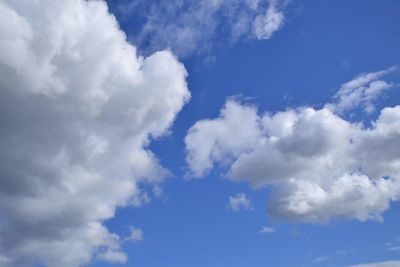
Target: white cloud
<point x="78" y="108"/>
<point x="394" y="245"/>
<point x="210" y="141"/>
<point x="158" y="191"/>
<point x="264" y="26"/>
<point x="321" y="259"/>
<point x="239" y="202"/>
<point x="267" y="230"/>
<point x="136" y="234"/>
<point x="191" y="27"/>
<point x="362" y="91"/>
<point x="379" y="264"/>
<point x="321" y="167"/>
<point x="113" y="256"/>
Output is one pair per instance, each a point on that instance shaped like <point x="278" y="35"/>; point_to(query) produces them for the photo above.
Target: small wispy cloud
<point x="135" y="235"/>
<point x="188" y="27"/>
<point x="265" y="25"/>
<point x="321" y="259"/>
<point x="394" y="263"/>
<point x="267" y="230"/>
<point x="362" y="92"/>
<point x="239" y="202"/>
<point x="158" y="191"/>
<point x="393" y="245"/>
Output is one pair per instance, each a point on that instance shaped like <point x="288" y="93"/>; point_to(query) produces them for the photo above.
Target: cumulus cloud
<point x="78" y="108"/>
<point x="320" y="165"/>
<point x="192" y="26"/>
<point x="113" y="256"/>
<point x="239" y="202"/>
<point x="210" y="141"/>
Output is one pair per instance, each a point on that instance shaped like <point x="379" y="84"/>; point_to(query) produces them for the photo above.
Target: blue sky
<point x="186" y="181"/>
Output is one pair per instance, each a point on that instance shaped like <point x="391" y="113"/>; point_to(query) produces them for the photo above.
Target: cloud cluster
<point x="191" y="26"/>
<point x="78" y="107"/>
<point x="320" y="165"/>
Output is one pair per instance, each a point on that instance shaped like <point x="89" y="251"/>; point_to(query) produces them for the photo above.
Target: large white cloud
<point x="321" y="166"/>
<point x="78" y="107"/>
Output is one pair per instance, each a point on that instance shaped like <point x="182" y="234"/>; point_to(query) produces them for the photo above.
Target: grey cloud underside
<point x="321" y="166"/>
<point x="78" y="107"/>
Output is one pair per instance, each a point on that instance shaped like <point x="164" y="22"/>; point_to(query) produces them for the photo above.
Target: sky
<point x="218" y="133"/>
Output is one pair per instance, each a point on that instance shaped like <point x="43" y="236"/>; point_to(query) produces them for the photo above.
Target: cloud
<point x="362" y="91"/>
<point x="78" y="108"/>
<point x="320" y="166"/>
<point x="136" y="234"/>
<point x="394" y="248"/>
<point x="379" y="264"/>
<point x="267" y="230"/>
<point x="321" y="259"/>
<point x="113" y="256"/>
<point x="239" y="202"/>
<point x="189" y="27"/>
<point x="210" y="141"/>
<point x="394" y="245"/>
<point x="158" y="191"/>
<point x="264" y="26"/>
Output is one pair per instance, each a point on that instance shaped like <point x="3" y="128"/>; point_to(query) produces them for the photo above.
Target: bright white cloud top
<point x="78" y="108"/>
<point x="320" y="165"/>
